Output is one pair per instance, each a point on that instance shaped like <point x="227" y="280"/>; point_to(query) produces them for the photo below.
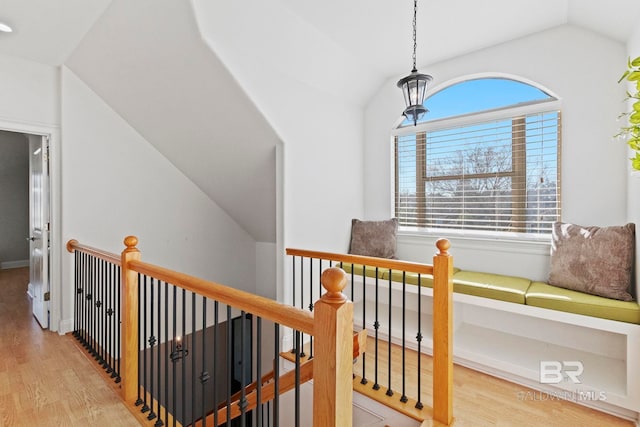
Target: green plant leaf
<point x="636" y="62"/>
<point x="626" y="73"/>
<point x="634" y="76"/>
<point x="635" y="162"/>
<point x="636" y="106"/>
<point x="634" y="144"/>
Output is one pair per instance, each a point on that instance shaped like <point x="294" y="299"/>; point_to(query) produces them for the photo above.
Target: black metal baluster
<point x="258" y="410"/>
<point x="243" y="363"/>
<point x="83" y="300"/>
<point x="204" y="377"/>
<point x="152" y="342"/>
<point x="147" y="353"/>
<point x="229" y="348"/>
<point x="90" y="297"/>
<point x="301" y="341"/>
<point x="193" y="357"/>
<point x="419" y="339"/>
<point x="183" y="383"/>
<point x="99" y="305"/>
<point x="175" y="348"/>
<point x="94" y="308"/>
<point x="389" y="390"/>
<point x="165" y="353"/>
<point x="376" y="326"/>
<point x="96" y="311"/>
<point x="158" y="396"/>
<point x="293" y="302"/>
<point x="216" y="313"/>
<point x="404" y="398"/>
<point x="297" y="382"/>
<point x="109" y="314"/>
<point x="364" y="320"/>
<point x="103" y="311"/>
<point x="76" y="282"/>
<point x="276" y="377"/>
<point x="118" y="323"/>
<point x="311" y="304"/>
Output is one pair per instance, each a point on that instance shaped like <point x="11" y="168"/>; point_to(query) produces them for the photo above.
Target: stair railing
<point x="147" y="331"/>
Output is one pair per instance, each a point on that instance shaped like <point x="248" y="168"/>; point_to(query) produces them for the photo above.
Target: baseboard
<point x="14" y="264"/>
<point x="65" y="326"/>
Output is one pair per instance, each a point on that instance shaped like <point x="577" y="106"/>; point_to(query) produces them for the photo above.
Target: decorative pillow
<point x="374" y="238"/>
<point x="594" y="260"/>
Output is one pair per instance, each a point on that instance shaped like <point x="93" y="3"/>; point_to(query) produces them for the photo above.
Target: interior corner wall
<point x="633" y="179"/>
<point x="582" y="68"/>
<point x="14" y="199"/>
<point x="115" y="184"/>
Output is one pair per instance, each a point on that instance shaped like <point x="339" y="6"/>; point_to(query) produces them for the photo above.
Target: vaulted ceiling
<point x="147" y="60"/>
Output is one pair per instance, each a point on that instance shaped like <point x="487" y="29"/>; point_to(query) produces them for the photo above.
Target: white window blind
<point x="497" y="175"/>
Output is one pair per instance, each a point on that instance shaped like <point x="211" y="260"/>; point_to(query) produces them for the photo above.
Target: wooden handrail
<point x="266" y="308"/>
<point x="73" y="245"/>
<point x="393" y="264"/>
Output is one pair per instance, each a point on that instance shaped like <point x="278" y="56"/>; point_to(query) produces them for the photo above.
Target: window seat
<point x="518" y="290"/>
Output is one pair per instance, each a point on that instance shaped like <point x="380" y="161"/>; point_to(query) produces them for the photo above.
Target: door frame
<point x="55" y="266"/>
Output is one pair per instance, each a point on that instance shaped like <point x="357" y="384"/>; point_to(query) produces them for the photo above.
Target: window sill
<point x="529" y="245"/>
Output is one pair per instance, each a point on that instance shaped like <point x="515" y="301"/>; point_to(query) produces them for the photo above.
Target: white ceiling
<point x="47" y="31"/>
<point x="377" y="32"/>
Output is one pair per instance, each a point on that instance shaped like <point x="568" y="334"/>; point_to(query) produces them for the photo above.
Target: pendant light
<point x="414" y="86"/>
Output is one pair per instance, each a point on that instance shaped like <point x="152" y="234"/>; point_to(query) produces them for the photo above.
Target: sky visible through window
<point x="473" y="96"/>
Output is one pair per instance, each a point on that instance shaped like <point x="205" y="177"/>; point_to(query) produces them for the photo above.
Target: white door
<point x="39" y="227"/>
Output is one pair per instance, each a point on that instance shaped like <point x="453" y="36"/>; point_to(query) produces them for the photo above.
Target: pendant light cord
<point x="415" y="15"/>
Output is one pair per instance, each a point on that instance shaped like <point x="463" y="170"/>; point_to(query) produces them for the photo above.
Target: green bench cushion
<point x="412" y="278"/>
<point x="488" y="285"/>
<point x="546" y="296"/>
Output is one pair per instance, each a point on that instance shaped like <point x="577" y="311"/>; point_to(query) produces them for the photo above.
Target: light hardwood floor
<point x="44" y="379"/>
<point x="483" y="400"/>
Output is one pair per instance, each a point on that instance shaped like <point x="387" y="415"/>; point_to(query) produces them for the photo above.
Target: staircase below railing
<point x="184" y="350"/>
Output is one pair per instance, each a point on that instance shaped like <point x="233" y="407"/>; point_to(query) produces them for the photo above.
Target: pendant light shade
<point x="414" y="89"/>
<point x="414" y="86"/>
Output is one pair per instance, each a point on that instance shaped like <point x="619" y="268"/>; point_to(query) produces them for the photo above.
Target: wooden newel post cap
<point x="131" y="242"/>
<point x="334" y="280"/>
<point x="443" y="246"/>
<point x="70" y="244"/>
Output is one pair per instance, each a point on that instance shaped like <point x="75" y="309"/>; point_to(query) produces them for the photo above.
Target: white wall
<point x="116" y="184"/>
<point x="14" y="199"/>
<point x="321" y="131"/>
<point x="30" y="91"/>
<point x="633" y="190"/>
<point x="582" y="69"/>
<point x="320" y="172"/>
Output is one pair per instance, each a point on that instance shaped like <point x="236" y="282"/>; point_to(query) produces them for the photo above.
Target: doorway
<point x="24" y="198"/>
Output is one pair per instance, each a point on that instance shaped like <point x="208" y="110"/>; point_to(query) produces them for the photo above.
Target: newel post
<point x="129" y="327"/>
<point x="443" y="334"/>
<point x="333" y="363"/>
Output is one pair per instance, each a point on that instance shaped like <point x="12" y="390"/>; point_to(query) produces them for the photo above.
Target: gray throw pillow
<point x="594" y="260"/>
<point x="374" y="238"/>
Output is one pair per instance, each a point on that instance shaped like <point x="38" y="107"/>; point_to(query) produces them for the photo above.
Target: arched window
<point x="484" y="159"/>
